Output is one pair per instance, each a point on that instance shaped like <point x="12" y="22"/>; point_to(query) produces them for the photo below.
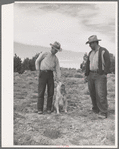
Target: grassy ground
<point x="78" y="127"/>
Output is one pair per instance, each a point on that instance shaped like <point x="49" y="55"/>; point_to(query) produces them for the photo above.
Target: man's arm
<point x="57" y="70"/>
<point x="87" y="67"/>
<point x="38" y="60"/>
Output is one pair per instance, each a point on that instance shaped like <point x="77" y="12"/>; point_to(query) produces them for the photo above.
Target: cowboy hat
<point x="56" y="45"/>
<point x="92" y="38"/>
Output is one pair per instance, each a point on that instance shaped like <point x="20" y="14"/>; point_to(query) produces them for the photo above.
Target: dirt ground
<point x="78" y="127"/>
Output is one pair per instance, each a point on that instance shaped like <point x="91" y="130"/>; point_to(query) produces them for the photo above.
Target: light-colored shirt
<point x="48" y="61"/>
<point x="94" y="60"/>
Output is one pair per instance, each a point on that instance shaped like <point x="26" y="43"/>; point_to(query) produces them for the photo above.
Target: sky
<point x="69" y="23"/>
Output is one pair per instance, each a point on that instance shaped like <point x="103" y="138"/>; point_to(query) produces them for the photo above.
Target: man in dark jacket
<point x="97" y="68"/>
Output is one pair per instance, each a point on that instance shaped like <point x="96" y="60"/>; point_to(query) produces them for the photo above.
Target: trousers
<point x="45" y="78"/>
<point x="97" y="85"/>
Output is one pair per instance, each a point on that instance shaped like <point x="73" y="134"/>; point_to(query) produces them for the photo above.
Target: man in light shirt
<point x="97" y="68"/>
<point x="46" y="64"/>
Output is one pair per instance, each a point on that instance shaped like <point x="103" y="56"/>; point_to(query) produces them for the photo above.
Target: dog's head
<point x="61" y="88"/>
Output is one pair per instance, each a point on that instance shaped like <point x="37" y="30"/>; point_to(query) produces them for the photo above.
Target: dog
<point x="60" y="100"/>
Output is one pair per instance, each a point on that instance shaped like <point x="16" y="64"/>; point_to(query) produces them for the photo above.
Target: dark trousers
<point x="97" y="85"/>
<point x="45" y="78"/>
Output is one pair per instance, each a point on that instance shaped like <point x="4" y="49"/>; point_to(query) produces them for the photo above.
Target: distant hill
<point x="67" y="58"/>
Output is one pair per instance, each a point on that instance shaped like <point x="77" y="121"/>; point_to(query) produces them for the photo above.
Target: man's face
<point x="54" y="50"/>
<point x="92" y="45"/>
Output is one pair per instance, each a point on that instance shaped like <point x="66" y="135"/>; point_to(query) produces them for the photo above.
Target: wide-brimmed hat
<point x="56" y="45"/>
<point x="92" y="38"/>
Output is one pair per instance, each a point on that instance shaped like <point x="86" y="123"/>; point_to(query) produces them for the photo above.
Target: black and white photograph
<point x="59" y="74"/>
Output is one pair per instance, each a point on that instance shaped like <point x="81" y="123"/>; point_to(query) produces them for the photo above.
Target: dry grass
<point x="79" y="126"/>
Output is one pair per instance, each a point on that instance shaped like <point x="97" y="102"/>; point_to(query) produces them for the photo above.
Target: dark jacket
<point x="106" y="57"/>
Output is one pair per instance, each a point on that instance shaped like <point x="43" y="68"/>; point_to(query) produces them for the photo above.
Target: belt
<point x="45" y="70"/>
<point x="94" y="71"/>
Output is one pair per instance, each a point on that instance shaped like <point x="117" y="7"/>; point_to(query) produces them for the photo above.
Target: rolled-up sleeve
<point x="38" y="61"/>
<point x="57" y="69"/>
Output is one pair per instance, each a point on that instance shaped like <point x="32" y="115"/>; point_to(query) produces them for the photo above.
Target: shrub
<point x="83" y="64"/>
<point x="26" y="64"/>
<point x="78" y="76"/>
<point x="67" y="74"/>
<point x="79" y="70"/>
<point x="17" y="64"/>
